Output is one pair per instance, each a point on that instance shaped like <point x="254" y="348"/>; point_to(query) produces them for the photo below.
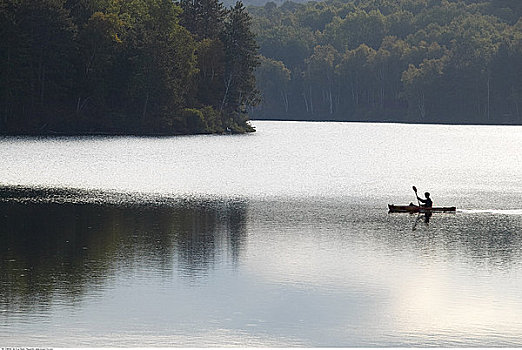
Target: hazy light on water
<point x="280" y="159"/>
<point x="281" y="238"/>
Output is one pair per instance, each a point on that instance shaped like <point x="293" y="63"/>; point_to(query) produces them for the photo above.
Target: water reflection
<point x="314" y="272"/>
<point x="71" y="249"/>
<point x="483" y="238"/>
<point x="207" y="232"/>
<point x="492" y="240"/>
<point x="424" y="217"/>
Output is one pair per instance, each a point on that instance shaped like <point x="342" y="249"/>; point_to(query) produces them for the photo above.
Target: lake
<point x="279" y="238"/>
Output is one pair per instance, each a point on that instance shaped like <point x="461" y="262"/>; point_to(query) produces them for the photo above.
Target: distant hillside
<point x="450" y="61"/>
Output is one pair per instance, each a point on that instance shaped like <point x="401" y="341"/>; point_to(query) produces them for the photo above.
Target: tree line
<point x="449" y="61"/>
<point x="135" y="66"/>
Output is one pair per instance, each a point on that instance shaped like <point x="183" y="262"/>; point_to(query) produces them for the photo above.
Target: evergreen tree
<point x="203" y="18"/>
<point x="74" y="66"/>
<point x="241" y="59"/>
<point x="37" y="71"/>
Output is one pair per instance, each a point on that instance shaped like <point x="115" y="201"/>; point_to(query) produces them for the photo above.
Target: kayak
<point x="417" y="209"/>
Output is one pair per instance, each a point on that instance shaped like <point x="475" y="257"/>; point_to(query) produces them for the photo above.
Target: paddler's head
<point x="427" y="195"/>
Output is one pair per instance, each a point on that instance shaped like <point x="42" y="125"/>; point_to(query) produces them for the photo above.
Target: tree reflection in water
<point x="69" y="249"/>
<point x="482" y="238"/>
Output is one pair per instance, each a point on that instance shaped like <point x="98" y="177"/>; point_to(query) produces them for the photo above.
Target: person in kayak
<point x="428" y="203"/>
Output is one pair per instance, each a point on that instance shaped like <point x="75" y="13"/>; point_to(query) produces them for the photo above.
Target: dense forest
<point x="125" y="67"/>
<point x="191" y="66"/>
<point x="442" y="61"/>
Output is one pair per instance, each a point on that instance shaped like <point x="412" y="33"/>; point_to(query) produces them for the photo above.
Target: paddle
<point x="416" y="195"/>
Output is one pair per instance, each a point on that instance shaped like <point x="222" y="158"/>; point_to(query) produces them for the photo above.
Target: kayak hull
<point x="417" y="209"/>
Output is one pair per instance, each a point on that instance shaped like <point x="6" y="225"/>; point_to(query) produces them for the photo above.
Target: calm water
<point x="280" y="238"/>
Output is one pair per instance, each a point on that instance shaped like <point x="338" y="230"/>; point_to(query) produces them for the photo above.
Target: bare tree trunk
<point x="489" y="94"/>
<point x="306" y="102"/>
<point x="228" y="82"/>
<point x="41" y="79"/>
<point x="515" y="101"/>
<point x="330" y="100"/>
<point x="337" y="94"/>
<point x="284" y="97"/>
<point x="145" y="106"/>
<point x="381" y="88"/>
<point x="311" y="100"/>
<point x="90" y="62"/>
<point x="8" y="84"/>
<point x="80" y="106"/>
<point x="421" y="105"/>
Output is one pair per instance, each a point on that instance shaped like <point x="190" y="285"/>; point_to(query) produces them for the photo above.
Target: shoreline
<point x="389" y="121"/>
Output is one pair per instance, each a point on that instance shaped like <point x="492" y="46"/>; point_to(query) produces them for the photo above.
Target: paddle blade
<point x="415" y="189"/>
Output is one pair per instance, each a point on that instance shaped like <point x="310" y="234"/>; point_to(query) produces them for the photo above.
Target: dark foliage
<point x="120" y="67"/>
<point x="449" y="61"/>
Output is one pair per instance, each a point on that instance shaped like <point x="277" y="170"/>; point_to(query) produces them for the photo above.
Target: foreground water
<point x="280" y="238"/>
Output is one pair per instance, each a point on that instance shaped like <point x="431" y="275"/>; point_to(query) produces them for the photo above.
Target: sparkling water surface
<point x="277" y="238"/>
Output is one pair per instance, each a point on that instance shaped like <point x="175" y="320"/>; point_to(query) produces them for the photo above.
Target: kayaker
<point x="426" y="202"/>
